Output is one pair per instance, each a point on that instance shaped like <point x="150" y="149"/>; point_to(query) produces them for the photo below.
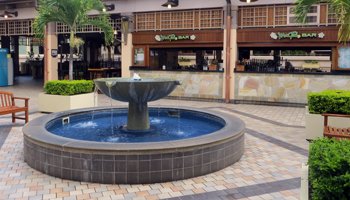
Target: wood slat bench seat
<point x="8" y="106"/>
<point x="334" y="132"/>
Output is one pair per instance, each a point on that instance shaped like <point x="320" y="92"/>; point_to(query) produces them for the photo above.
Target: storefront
<point x="194" y="55"/>
<point x="283" y="64"/>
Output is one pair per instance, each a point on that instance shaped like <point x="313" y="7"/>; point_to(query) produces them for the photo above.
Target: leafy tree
<point x="74" y="14"/>
<point x="341" y="8"/>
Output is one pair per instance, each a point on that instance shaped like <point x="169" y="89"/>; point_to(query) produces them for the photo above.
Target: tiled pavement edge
<point x="4" y="131"/>
<point x="263" y="119"/>
<point x="246" y="191"/>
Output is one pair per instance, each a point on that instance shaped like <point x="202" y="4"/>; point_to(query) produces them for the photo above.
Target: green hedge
<point x="329" y="101"/>
<point x="329" y="169"/>
<point x="66" y="88"/>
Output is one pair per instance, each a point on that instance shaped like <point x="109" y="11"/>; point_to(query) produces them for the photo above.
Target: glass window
<point x="312" y="16"/>
<point x="332" y="16"/>
<point x="344" y="61"/>
<point x="139" y="56"/>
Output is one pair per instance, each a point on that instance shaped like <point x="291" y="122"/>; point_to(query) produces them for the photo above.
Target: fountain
<point x="133" y="145"/>
<point x="138" y="93"/>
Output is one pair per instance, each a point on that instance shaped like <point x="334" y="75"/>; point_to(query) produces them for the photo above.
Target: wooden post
<point x="228" y="54"/>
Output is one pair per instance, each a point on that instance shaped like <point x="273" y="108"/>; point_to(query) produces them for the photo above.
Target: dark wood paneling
<point x="270" y="16"/>
<point x="335" y="58"/>
<point x="261" y="37"/>
<point x="323" y="14"/>
<point x="239" y="17"/>
<point x="203" y="38"/>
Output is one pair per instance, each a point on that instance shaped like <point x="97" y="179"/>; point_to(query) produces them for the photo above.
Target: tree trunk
<point x="71" y="51"/>
<point x="71" y="63"/>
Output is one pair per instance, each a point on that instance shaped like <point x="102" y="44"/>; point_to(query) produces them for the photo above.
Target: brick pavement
<point x="269" y="169"/>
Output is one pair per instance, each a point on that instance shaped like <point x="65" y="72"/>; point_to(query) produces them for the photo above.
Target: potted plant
<point x="66" y="95"/>
<point x="328" y="101"/>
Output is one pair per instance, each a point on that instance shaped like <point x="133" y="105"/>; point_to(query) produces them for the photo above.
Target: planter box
<point x="314" y="124"/>
<point x="58" y="103"/>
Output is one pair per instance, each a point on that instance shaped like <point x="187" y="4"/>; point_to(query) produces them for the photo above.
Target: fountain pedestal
<point x="138" y="117"/>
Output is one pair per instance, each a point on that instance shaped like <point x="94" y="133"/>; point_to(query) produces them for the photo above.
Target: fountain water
<point x="181" y="143"/>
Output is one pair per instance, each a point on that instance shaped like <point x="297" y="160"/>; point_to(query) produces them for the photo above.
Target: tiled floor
<point x="270" y="168"/>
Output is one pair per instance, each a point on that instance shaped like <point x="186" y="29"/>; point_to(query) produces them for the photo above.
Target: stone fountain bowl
<point x="130" y="90"/>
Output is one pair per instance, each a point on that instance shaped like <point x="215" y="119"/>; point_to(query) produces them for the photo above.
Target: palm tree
<point x="341" y="8"/>
<point x="73" y="13"/>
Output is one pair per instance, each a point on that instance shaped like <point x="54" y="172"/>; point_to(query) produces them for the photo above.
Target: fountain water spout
<point x="136" y="77"/>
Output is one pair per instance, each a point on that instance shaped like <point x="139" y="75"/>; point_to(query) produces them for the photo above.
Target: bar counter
<point x="195" y="84"/>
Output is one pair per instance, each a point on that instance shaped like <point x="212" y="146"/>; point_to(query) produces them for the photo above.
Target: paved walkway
<point x="269" y="169"/>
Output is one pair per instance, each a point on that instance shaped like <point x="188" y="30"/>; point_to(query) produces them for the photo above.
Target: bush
<point x="329" y="169"/>
<point x="329" y="101"/>
<point x="66" y="88"/>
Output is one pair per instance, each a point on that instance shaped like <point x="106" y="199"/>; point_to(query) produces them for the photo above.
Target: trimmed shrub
<point x="329" y="169"/>
<point x="66" y="87"/>
<point x="329" y="101"/>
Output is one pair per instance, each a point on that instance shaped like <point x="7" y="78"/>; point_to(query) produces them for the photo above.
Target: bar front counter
<point x="195" y="84"/>
<point x="285" y="87"/>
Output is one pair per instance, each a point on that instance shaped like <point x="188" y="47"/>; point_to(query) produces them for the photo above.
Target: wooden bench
<point x="8" y="106"/>
<point x="334" y="132"/>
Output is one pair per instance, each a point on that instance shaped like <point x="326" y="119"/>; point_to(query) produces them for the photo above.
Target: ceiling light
<point x="171" y="3"/>
<point x="248" y="1"/>
<point x="9" y="14"/>
<point x="108" y="7"/>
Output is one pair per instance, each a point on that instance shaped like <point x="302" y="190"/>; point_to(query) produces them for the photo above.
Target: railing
<point x="24" y="27"/>
<point x="279" y="16"/>
<point x="63" y="28"/>
<point x="16" y="27"/>
<point x="179" y="20"/>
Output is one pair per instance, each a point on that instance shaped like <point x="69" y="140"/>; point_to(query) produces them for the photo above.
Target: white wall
<point x="129" y="6"/>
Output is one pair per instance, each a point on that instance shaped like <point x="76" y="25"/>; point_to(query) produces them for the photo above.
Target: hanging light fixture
<point x="108" y="7"/>
<point x="171" y="3"/>
<point x="248" y="1"/>
<point x="9" y="14"/>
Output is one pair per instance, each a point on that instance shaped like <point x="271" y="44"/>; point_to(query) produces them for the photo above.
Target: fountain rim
<point x="36" y="131"/>
<point x="143" y="80"/>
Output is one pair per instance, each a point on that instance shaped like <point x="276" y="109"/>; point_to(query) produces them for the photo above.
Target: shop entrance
<point x="25" y="56"/>
<point x="91" y="60"/>
<point x="289" y="59"/>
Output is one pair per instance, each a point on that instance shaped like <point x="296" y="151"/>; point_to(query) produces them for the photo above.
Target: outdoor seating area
<point x="8" y="106"/>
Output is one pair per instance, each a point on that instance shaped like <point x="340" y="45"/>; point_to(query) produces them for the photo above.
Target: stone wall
<point x="285" y="88"/>
<point x="204" y="85"/>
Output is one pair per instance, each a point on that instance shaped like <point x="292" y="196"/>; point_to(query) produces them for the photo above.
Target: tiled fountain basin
<point x="131" y="163"/>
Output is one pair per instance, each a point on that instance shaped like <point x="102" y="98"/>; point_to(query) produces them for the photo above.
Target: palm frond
<point x="341" y="9"/>
<point x="103" y="23"/>
<point x="302" y="8"/>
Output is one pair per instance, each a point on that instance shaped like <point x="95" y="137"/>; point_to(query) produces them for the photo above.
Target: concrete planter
<point x="304" y="185"/>
<point x="58" y="103"/>
<point x="314" y="124"/>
